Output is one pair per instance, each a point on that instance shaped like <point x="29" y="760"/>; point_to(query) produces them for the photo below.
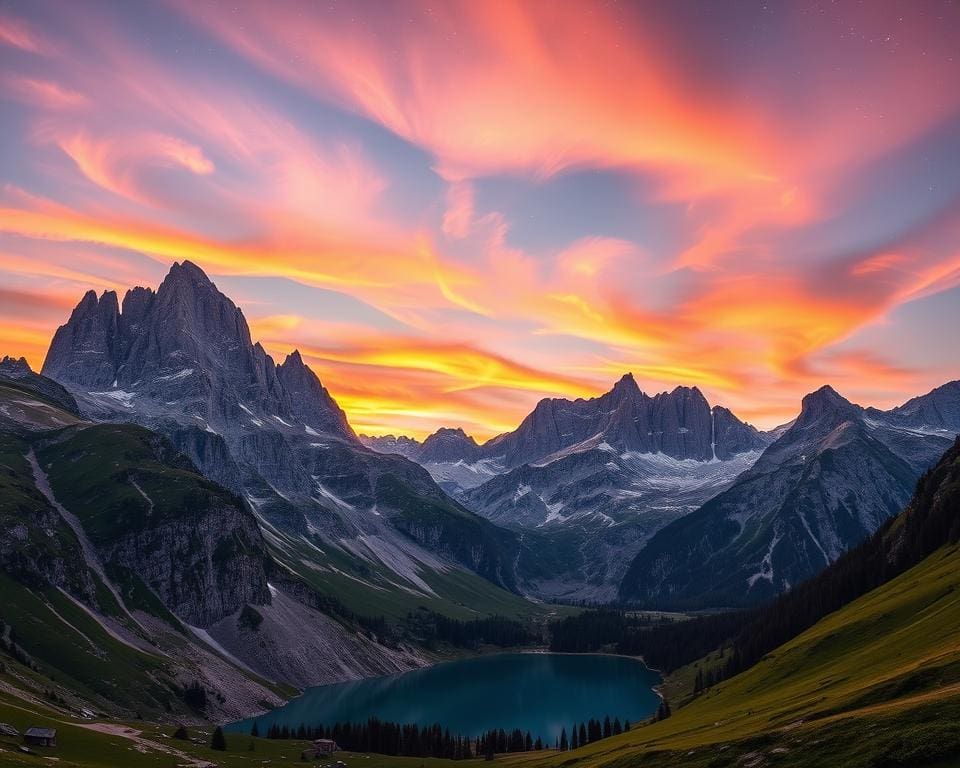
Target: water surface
<point x="538" y="692"/>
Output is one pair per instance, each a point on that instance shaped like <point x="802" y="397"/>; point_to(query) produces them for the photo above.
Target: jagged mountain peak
<point x="14" y="366"/>
<point x="826" y="404"/>
<point x="626" y="384"/>
<point x="449" y="444"/>
<point x="186" y="343"/>
<point x="187" y="271"/>
<point x="452" y="432"/>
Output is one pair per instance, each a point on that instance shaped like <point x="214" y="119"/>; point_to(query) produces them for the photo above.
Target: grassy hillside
<point x="876" y="683"/>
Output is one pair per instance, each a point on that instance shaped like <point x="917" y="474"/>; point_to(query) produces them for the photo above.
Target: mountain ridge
<point x="830" y="480"/>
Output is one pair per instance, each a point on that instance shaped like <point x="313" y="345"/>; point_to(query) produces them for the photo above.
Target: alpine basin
<point x="537" y="692"/>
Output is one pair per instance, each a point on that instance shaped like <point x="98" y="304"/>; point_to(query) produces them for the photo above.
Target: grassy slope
<point x="79" y="747"/>
<point x="878" y="680"/>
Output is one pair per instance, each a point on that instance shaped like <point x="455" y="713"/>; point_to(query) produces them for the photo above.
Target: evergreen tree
<point x="181" y="734"/>
<point x="583" y="734"/>
<point x="254" y="730"/>
<point x="218" y="741"/>
<point x="617" y="727"/>
<point x="607" y="727"/>
<point x="562" y="745"/>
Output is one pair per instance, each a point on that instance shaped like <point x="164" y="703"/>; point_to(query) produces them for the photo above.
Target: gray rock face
<point x="448" y="445"/>
<point x="404" y="446"/>
<point x="679" y="424"/>
<point x="310" y="402"/>
<point x="181" y="361"/>
<point x="84" y="349"/>
<point x="829" y="481"/>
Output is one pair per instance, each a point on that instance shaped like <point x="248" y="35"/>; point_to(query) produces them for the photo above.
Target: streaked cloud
<point x="386" y="161"/>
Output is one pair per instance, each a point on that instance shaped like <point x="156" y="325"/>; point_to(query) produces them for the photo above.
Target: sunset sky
<point x="455" y="209"/>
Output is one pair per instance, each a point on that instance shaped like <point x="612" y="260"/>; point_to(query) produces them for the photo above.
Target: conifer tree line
<point x="665" y="645"/>
<point x="430" y="627"/>
<point x="589" y="732"/>
<point x="406" y="740"/>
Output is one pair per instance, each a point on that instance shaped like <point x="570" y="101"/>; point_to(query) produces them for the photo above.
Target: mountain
<point x="590" y="480"/>
<point x="831" y="479"/>
<point x="408" y="447"/>
<point x="127" y="576"/>
<point x="679" y="424"/>
<point x="180" y="361"/>
<point x="17" y="371"/>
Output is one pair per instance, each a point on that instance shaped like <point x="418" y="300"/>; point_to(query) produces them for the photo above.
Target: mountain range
<point x="180" y="361"/>
<point x="655" y="500"/>
<point x="831" y="479"/>
<point x="667" y="502"/>
<point x="180" y="513"/>
<point x="592" y="479"/>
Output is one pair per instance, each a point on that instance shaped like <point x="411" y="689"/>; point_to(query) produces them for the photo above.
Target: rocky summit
<point x="180" y="360"/>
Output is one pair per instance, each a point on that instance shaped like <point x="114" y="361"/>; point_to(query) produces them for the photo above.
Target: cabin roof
<point x="41" y="733"/>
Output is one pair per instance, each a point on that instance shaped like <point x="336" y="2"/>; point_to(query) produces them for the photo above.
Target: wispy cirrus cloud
<point x="377" y="156"/>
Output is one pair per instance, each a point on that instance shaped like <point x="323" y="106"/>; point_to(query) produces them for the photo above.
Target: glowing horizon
<point x="455" y="211"/>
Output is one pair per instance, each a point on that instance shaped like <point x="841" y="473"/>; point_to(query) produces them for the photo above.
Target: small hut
<point x="325" y="747"/>
<point x="40" y="737"/>
<point x="320" y="748"/>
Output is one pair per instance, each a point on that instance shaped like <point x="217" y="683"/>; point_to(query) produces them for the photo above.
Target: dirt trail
<point x="144" y="744"/>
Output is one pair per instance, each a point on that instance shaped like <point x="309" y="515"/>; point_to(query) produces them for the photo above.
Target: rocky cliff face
<point x="18" y="370"/>
<point x="181" y="361"/>
<point x="830" y="480"/>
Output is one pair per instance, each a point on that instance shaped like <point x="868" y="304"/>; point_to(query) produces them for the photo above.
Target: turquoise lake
<point x="535" y="692"/>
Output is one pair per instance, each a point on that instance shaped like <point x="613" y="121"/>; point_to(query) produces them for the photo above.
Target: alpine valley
<point x="192" y="532"/>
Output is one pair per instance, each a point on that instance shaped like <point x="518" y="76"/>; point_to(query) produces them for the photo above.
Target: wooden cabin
<point x="325" y="747"/>
<point x="40" y="737"/>
<point x="321" y="748"/>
